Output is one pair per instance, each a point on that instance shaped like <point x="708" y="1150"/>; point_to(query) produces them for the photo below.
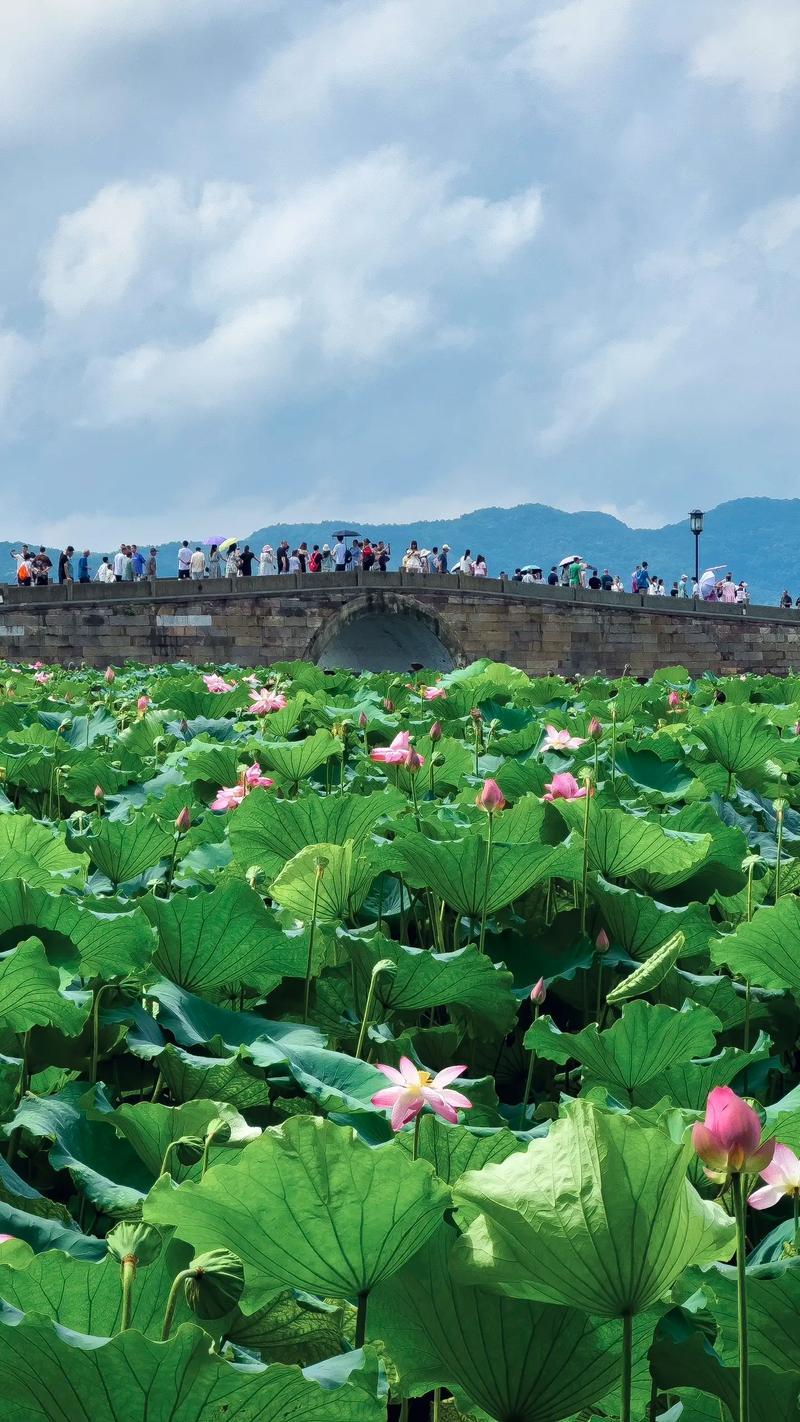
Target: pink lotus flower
<point x="398" y="752"/>
<point x="595" y="729"/>
<point x="254" y="777"/>
<point x="561" y="740"/>
<point x="413" y="1089"/>
<point x="602" y="942"/>
<point x="782" y="1176"/>
<point x="99" y="793"/>
<point x="490" y="798"/>
<point x="42" y="678"/>
<point x="729" y="1140"/>
<point x="4" y="1238"/>
<point x="143" y="703"/>
<point x="265" y="701"/>
<point x="435" y="732"/>
<point x="538" y="993"/>
<point x="217" y="684"/>
<point x="35" y="666"/>
<point x="109" y="675"/>
<point x="183" y="821"/>
<point x="432" y="693"/>
<point x="228" y="797"/>
<point x="564" y="787"/>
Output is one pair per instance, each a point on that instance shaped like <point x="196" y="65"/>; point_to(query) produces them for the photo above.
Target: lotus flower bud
<point x="362" y="721"/>
<point x="136" y="1242"/>
<point x="183" y="726"/>
<point x="388" y="705"/>
<point x="602" y="942"/>
<point x="490" y="798"/>
<point x="215" y="1283"/>
<point x="538" y="993"/>
<point x="674" y="700"/>
<point x="413" y="761"/>
<point x="143" y="703"/>
<point x="109" y="675"/>
<point x="595" y="729"/>
<point x="99" y="793"/>
<point x="729" y="1140"/>
<point x="475" y="714"/>
<point x="183" y="821"/>
<point x="435" y="732"/>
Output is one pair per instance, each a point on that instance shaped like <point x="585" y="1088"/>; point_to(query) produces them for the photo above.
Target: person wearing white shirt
<point x="197" y="564"/>
<point x="184" y="559"/>
<point x="339" y="554"/>
<point x="105" y="573"/>
<point x="119" y="563"/>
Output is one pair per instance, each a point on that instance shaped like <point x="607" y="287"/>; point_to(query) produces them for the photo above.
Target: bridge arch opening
<point x="383" y="635"/>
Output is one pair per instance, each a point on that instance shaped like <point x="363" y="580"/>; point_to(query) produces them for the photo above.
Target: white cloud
<point x="569" y="45"/>
<point x="16" y="358"/>
<point x="610" y="377"/>
<point x="755" y="47"/>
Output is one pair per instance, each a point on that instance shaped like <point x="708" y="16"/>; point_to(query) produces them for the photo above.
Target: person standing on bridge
<point x="65" y="565"/>
<point x="479" y="569"/>
<point x="84" y="576"/>
<point x="197" y="564"/>
<point x="266" y="562"/>
<point x="151" y="564"/>
<point x="184" y="559"/>
<point x="232" y="562"/>
<point x="247" y="559"/>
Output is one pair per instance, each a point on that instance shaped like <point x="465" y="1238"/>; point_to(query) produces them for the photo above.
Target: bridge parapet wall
<point x="260" y="620"/>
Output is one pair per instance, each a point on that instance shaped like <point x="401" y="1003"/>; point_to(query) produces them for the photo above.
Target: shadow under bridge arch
<point x="383" y="631"/>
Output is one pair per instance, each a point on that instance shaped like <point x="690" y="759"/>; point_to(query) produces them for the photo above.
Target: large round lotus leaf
<point x="598" y="1215"/>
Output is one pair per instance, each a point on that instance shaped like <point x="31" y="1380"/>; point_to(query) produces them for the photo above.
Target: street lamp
<point x="696" y="517"/>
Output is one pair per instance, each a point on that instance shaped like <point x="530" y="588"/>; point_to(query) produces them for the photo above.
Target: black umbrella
<point x="346" y="533"/>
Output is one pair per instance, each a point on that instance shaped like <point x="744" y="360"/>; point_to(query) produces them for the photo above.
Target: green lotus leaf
<point x="767" y="949"/>
<point x="97" y="943"/>
<point x="233" y="1079"/>
<point x="639" y="925"/>
<point x="225" y="939"/>
<point x="737" y="737"/>
<point x="649" y="772"/>
<point x="341" y="889"/>
<point x="194" y="1022"/>
<point x="518" y="1360"/>
<point x="290" y="1328"/>
<point x="105" y="1168"/>
<point x="85" y="1295"/>
<point x="151" y="1129"/>
<point x="773" y="1313"/>
<point x="336" y="1082"/>
<point x="623" y="845"/>
<point x="651" y="972"/>
<point x="644" y="1042"/>
<point x="56" y="1376"/>
<point x="268" y="832"/>
<point x="598" y="1215"/>
<point x="124" y="849"/>
<point x="452" y="1150"/>
<point x="687" y="1084"/>
<point x="31" y="851"/>
<point x="682" y="1357"/>
<point x="295" y="761"/>
<point x="457" y="871"/>
<point x="372" y="1209"/>
<point x="465" y="980"/>
<point x="29" y="992"/>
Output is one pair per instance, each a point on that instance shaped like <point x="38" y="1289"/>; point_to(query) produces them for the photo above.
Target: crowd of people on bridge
<point x="349" y="552"/>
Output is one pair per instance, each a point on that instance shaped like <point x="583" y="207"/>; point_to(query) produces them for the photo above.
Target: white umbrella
<point x="572" y="558"/>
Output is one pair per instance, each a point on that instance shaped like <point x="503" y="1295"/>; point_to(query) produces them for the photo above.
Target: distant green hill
<point x="757" y="538"/>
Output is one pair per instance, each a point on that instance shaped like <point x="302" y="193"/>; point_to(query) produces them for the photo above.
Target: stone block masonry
<point x="256" y="621"/>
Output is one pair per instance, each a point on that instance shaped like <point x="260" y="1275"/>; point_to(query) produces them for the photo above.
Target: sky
<point x="386" y="259"/>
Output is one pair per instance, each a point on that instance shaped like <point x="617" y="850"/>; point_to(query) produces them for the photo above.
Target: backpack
<point x="23" y="573"/>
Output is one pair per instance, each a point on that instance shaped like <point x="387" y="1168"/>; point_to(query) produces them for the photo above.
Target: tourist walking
<point x="84" y="575"/>
<point x="247" y="560"/>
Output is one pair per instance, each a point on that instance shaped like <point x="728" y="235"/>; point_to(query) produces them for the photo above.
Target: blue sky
<point x="269" y="259"/>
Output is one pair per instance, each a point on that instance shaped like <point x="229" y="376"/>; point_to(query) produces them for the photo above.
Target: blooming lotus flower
<point x="217" y="684"/>
<point x="564" y="787"/>
<point x="782" y="1176"/>
<point x="42" y="677"/>
<point x="228" y="797"/>
<point x="143" y="703"/>
<point x="398" y="752"/>
<point x="538" y="993"/>
<point x="35" y="666"/>
<point x="490" y="798"/>
<point x="432" y="693"/>
<point x="109" y="675"/>
<point x="265" y="701"/>
<point x="413" y="1089"/>
<point x="729" y="1140"/>
<point x="254" y="777"/>
<point x="561" y="740"/>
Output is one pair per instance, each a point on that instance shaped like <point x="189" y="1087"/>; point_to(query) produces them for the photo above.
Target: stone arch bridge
<point x="391" y="622"/>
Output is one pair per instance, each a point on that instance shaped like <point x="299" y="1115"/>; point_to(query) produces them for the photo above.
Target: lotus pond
<point x="378" y="1049"/>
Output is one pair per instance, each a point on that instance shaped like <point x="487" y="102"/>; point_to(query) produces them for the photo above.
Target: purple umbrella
<point x="214" y="542"/>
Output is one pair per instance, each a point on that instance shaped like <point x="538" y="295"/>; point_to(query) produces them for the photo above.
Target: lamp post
<point x="696" y="517"/>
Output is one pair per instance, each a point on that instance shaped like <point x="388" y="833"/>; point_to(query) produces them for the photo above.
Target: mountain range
<point x="757" y="538"/>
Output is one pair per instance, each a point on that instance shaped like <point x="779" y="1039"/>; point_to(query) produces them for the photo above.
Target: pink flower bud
<point x="729" y="1140"/>
<point x="412" y="760"/>
<point x="362" y="721"/>
<point x="109" y="675"/>
<point x="538" y="993"/>
<point x="490" y="798"/>
<point x="183" y="821"/>
<point x="797" y="728"/>
<point x="602" y="942"/>
<point x="99" y="793"/>
<point x="388" y="705"/>
<point x="435" y="732"/>
<point x="143" y="703"/>
<point x="183" y="726"/>
<point x="595" y="729"/>
<point x="674" y="700"/>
